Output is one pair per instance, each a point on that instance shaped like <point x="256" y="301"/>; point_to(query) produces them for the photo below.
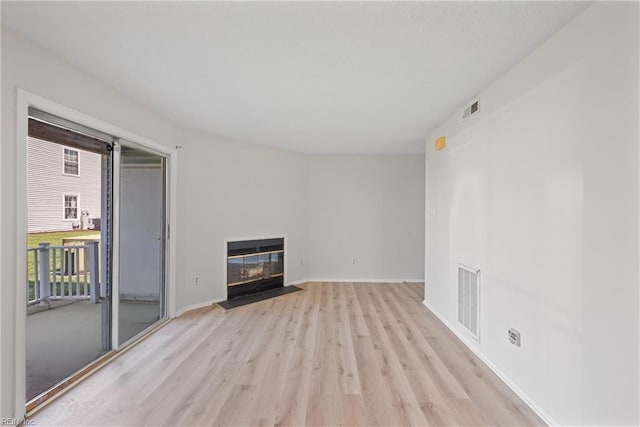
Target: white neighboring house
<point x="62" y="183"/>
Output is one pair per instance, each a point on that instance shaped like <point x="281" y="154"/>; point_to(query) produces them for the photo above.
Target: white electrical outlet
<point x="196" y="280"/>
<point x="353" y="261"/>
<point x="514" y="337"/>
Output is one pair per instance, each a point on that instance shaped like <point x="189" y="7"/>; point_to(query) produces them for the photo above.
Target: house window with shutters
<point x="71" y="162"/>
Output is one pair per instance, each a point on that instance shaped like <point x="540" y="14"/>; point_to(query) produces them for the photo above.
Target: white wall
<point x="367" y="208"/>
<point x="232" y="190"/>
<point x="141" y="225"/>
<point x="540" y="192"/>
<point x="225" y="189"/>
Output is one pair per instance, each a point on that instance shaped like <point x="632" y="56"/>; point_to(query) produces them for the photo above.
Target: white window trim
<point x="63" y="161"/>
<point x="77" y="196"/>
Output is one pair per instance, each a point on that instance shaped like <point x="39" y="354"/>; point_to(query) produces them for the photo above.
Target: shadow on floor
<point x="63" y="340"/>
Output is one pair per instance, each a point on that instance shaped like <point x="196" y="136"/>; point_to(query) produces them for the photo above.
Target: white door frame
<point x="25" y="100"/>
<point x="115" y="292"/>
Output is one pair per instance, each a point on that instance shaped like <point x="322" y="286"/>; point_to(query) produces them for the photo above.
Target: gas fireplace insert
<point x="254" y="266"/>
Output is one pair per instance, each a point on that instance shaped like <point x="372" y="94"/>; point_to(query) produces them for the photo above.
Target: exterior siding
<point x="47" y="184"/>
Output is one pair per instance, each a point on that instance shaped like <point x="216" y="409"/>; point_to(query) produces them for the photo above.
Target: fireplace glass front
<point x="254" y="265"/>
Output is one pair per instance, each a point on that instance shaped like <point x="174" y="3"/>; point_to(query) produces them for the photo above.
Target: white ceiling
<point x="313" y="77"/>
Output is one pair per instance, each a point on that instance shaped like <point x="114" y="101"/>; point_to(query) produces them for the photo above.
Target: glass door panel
<point x="141" y="241"/>
<point x="68" y="307"/>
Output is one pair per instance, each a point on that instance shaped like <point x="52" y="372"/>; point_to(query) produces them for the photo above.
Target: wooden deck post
<point x="94" y="273"/>
<point x="44" y="277"/>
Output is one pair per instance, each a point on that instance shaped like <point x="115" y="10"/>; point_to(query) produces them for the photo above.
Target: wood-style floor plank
<point x="333" y="354"/>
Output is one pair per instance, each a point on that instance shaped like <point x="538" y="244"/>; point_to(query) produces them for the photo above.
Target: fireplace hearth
<point x="254" y="266"/>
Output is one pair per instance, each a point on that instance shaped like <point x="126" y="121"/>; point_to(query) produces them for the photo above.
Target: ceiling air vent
<point x="472" y="109"/>
<point x="469" y="299"/>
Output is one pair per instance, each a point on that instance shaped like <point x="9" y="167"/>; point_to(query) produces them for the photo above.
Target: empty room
<point x="320" y="213"/>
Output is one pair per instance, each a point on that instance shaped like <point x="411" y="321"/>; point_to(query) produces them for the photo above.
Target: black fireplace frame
<point x="250" y="247"/>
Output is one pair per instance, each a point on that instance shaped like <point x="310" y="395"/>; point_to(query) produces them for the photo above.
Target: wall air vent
<point x="472" y="109"/>
<point x="469" y="299"/>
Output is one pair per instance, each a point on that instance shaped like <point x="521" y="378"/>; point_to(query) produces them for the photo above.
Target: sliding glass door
<point x="68" y="273"/>
<point x="96" y="250"/>
<point x="142" y="241"/>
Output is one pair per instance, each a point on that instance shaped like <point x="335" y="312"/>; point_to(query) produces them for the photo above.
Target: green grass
<point x="54" y="239"/>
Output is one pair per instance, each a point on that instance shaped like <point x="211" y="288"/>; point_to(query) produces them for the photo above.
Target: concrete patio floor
<point x="63" y="340"/>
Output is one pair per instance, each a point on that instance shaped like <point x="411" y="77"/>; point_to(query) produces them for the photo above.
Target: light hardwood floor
<point x="332" y="354"/>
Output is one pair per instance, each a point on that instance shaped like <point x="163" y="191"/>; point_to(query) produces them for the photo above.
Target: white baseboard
<point x="366" y="280"/>
<point x="504" y="377"/>
<point x="197" y="306"/>
<point x="137" y="297"/>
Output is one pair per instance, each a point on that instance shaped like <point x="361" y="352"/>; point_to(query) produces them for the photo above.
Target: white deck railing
<point x="64" y="272"/>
